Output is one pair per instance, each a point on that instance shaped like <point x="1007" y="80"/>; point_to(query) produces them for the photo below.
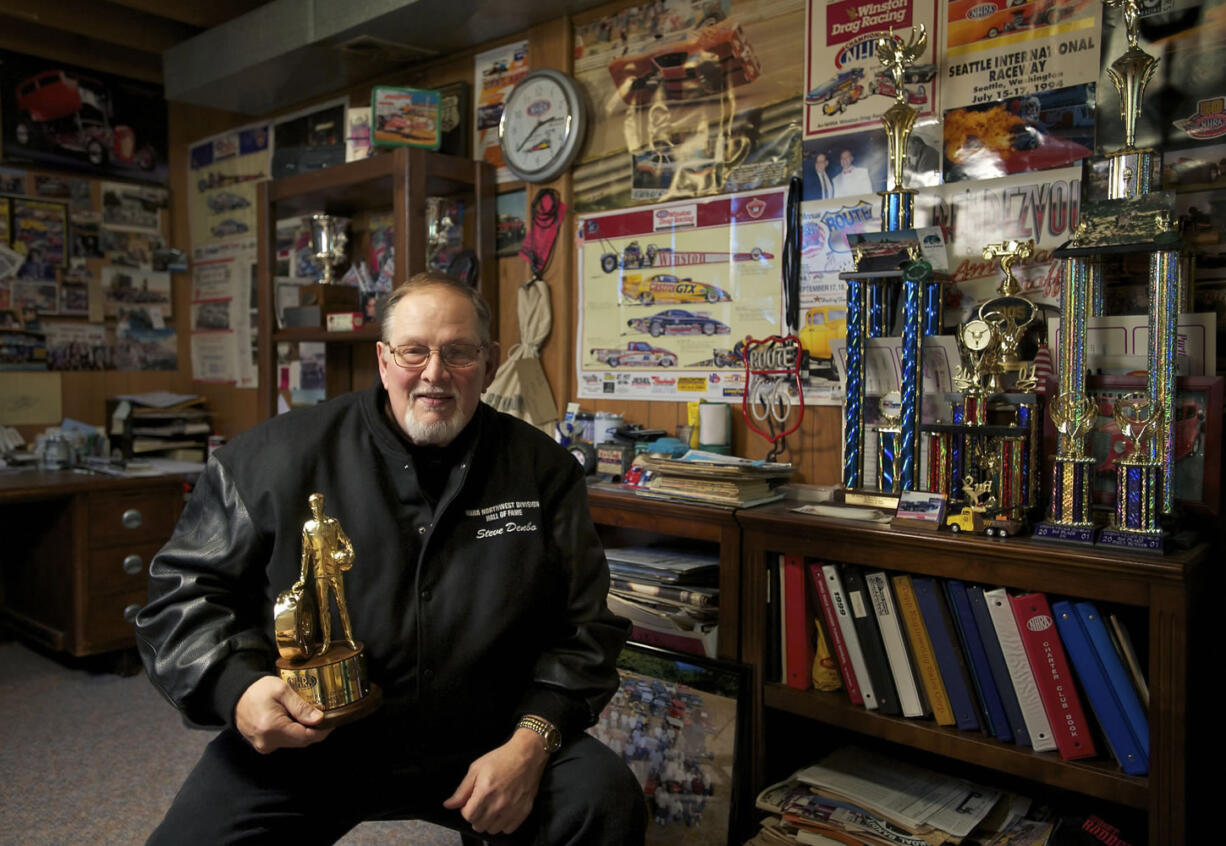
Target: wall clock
<point x="543" y="124"/>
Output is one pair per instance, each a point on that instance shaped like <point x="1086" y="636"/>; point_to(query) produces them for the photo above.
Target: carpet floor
<point x="90" y="756"/>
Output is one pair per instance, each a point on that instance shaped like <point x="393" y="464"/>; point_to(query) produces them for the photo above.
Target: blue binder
<point x="947" y="651"/>
<point x="977" y="661"/>
<point x="1117" y="673"/>
<point x="996" y="660"/>
<point x="1098" y="690"/>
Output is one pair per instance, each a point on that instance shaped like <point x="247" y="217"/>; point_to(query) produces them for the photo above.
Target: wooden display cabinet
<point x="399" y="181"/>
<point x="1158" y="590"/>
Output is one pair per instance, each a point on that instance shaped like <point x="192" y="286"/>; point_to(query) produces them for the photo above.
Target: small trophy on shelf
<point x="1010" y="315"/>
<point x="1138" y="478"/>
<point x="328" y="240"/>
<point x="330" y="674"/>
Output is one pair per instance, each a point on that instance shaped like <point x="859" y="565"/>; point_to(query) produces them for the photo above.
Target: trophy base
<point x="1139" y="541"/>
<point x="1064" y="533"/>
<point x="334" y="682"/>
<point x="325" y="299"/>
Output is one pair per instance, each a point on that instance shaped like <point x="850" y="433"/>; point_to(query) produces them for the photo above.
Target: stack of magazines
<point x="712" y="479"/>
<point x="857" y="796"/>
<point x="670" y="596"/>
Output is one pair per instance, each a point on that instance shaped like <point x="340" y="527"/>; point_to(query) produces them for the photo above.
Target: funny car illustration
<point x="676" y="321"/>
<point x="667" y="288"/>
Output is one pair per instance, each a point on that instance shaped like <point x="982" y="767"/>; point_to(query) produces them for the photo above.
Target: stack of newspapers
<point x="856" y="796"/>
<point x="670" y="596"/>
<point x="712" y="479"/>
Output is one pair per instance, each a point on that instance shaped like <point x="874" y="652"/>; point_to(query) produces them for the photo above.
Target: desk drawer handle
<point x="130" y="612"/>
<point x="132" y="519"/>
<point x="133" y="564"/>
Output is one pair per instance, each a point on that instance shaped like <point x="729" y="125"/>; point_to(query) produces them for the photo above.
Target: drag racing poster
<point x="669" y="293"/>
<point x="842" y="71"/>
<point x="496" y="73"/>
<point x="996" y="49"/>
<point x="689" y="98"/>
<point x="223" y="171"/>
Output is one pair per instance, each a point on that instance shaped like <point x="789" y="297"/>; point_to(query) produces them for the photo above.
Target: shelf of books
<point x="1061" y="667"/>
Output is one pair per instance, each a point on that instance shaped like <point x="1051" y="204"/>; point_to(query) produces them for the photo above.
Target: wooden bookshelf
<point x="1160" y="589"/>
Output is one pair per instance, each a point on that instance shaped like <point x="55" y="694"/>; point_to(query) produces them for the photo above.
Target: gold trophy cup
<point x="329" y="674"/>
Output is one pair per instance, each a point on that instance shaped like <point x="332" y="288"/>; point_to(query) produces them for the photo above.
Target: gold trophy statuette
<point x="896" y="56"/>
<point x="1009" y="314"/>
<point x="329" y="674"/>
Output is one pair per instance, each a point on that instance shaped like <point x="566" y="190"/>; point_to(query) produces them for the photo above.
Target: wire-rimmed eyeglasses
<point x="455" y="355"/>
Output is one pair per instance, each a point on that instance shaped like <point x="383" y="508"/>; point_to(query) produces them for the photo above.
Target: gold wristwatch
<point x="547" y="730"/>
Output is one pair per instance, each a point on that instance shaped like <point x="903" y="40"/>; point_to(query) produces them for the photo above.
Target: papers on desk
<point x="160" y="399"/>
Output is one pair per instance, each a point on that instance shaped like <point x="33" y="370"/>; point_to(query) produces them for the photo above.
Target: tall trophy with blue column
<point x="1137" y="217"/>
<point x="878" y="281"/>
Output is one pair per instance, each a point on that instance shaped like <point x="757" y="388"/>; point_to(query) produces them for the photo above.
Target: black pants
<point x="315" y="795"/>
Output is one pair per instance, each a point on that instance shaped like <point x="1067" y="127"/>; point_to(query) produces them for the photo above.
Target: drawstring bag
<point x="520" y="387"/>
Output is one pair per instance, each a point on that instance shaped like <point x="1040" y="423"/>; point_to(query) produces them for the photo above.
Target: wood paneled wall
<point x="815" y="448"/>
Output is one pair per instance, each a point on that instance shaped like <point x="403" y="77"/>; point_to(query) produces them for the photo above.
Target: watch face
<point x="541" y="126"/>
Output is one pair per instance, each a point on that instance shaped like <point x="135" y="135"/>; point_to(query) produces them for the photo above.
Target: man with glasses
<point x="481" y="601"/>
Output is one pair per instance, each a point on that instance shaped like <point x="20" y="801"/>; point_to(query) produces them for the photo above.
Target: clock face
<point x="542" y="126"/>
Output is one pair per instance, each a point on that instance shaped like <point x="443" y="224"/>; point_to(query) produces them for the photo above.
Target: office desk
<point x="74" y="549"/>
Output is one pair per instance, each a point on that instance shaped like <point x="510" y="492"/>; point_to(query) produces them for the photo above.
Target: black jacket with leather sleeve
<point x="485" y="606"/>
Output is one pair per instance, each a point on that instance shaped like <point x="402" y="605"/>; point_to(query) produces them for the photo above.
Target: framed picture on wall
<point x="1197" y="426"/>
<point x="38" y="229"/>
<point x="681" y="723"/>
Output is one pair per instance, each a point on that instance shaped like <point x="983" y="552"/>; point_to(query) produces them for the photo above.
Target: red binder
<point x="798" y="625"/>
<point x="836" y="636"/>
<point x="1053" y="675"/>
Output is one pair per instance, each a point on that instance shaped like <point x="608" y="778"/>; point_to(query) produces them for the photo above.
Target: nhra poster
<point x="669" y="293"/>
<point x="842" y="70"/>
<point x="997" y="49"/>
<point x="689" y="98"/>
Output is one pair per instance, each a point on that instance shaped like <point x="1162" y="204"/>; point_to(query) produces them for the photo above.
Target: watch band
<point x="548" y="731"/>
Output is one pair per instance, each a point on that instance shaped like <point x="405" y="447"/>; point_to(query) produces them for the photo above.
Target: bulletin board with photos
<point x="85" y="273"/>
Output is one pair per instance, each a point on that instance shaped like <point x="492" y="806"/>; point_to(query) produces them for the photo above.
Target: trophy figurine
<point x="1138" y="489"/>
<point x="889" y="435"/>
<point x="329" y="674"/>
<point x="1069" y="516"/>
